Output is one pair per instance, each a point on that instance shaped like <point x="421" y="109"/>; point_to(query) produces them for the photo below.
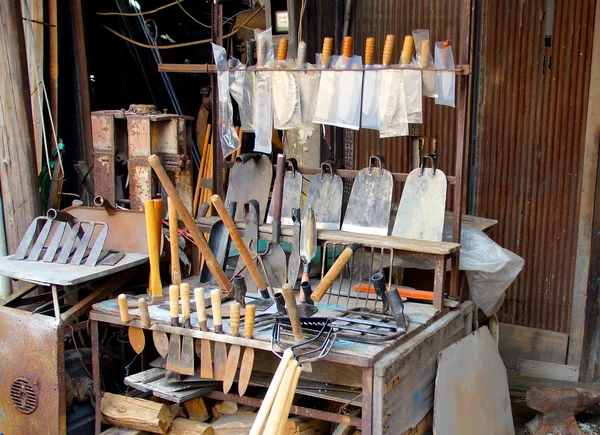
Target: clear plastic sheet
<point x="392" y="104"/>
<point x="263" y="107"/>
<point x="370" y="106"/>
<point x="446" y="80"/>
<point x="227" y="136"/>
<point x="286" y="96"/>
<point x="490" y="268"/>
<point x="424" y="59"/>
<point x="413" y="93"/>
<point x="243" y="96"/>
<point x="308" y="82"/>
<point x="326" y="107"/>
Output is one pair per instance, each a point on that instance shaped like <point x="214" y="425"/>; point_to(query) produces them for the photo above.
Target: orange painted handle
<point x="388" y="49"/>
<point x="422" y="295"/>
<point x="249" y="315"/>
<point x="369" y="50"/>
<point x="347" y="46"/>
<point x="326" y="52"/>
<point x="407" y="50"/>
<point x="238" y="242"/>
<point x="282" y="49"/>
<point x="332" y="274"/>
<point x="153" y="248"/>
<point x="213" y="265"/>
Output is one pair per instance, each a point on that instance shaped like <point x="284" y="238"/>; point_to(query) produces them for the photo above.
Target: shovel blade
<point x="325" y="193"/>
<point x="370" y="203"/>
<point x="275" y="265"/>
<point x="161" y="343"/>
<point x="245" y="370"/>
<point x="187" y="356"/>
<point x="292" y="195"/>
<point x="231" y="367"/>
<point x="206" y="366"/>
<point x="174" y="357"/>
<point x="220" y="361"/>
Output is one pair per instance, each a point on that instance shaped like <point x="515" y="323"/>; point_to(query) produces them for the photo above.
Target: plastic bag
<point x="227" y="136"/>
<point x="286" y="96"/>
<point x="243" y="97"/>
<point x="424" y="59"/>
<point x="325" y="108"/>
<point x="490" y="268"/>
<point x="349" y="91"/>
<point x="370" y="107"/>
<point x="413" y="94"/>
<point x="392" y="104"/>
<point x="446" y="80"/>
<point x="263" y="108"/>
<point x="308" y="82"/>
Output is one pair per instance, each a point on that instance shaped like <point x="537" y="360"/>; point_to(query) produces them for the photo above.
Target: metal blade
<point x="34" y="255"/>
<point x="113" y="258"/>
<point x="83" y="245"/>
<point x="186" y="363"/>
<point x="206" y="366"/>
<point x="28" y="237"/>
<point x="220" y="361"/>
<point x="174" y="357"/>
<point x="55" y="243"/>
<point x="94" y="255"/>
<point x="161" y="342"/>
<point x="231" y="367"/>
<point x="245" y="370"/>
<point x="67" y="247"/>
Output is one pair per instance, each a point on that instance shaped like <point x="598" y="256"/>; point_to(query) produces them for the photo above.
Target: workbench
<point x="394" y="382"/>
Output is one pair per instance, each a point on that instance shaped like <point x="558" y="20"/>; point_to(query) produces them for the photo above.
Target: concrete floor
<point x="589" y="420"/>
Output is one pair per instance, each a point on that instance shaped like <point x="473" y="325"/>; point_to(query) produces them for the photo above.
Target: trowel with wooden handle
<point x="174" y="357"/>
<point x="187" y="343"/>
<point x="220" y="359"/>
<point x="233" y="358"/>
<point x="248" y="358"/>
<point x="136" y="335"/>
<point x="206" y="368"/>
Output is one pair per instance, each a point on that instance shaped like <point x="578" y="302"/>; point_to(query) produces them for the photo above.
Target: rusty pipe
<point x="99" y="201"/>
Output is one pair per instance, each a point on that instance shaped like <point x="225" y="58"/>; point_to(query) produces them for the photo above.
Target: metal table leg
<point x="96" y="376"/>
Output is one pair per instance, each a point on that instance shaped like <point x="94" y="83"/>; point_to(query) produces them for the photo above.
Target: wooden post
<point x="17" y="149"/>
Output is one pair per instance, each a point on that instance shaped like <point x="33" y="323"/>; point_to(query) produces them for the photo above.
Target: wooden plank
<point x="403" y="386"/>
<point x="532" y="344"/>
<point x="471" y="389"/>
<point x="586" y="210"/>
<point x="183" y="426"/>
<point x="546" y="370"/>
<point x="18" y="177"/>
<point x="136" y="413"/>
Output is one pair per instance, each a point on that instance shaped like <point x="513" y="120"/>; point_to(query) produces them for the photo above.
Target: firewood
<point x="136" y="413"/>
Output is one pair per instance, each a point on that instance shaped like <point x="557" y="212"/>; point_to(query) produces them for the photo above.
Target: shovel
<point x="422" y="207"/>
<point x="274" y="258"/>
<point x="370" y="201"/>
<point x="325" y="193"/>
<point x="218" y="241"/>
<point x="136" y="335"/>
<point x="250" y="178"/>
<point x="292" y="193"/>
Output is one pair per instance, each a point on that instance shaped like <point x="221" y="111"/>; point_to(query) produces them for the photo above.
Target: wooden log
<point x="238" y="424"/>
<point x="306" y="426"/>
<point x="183" y="426"/>
<point x="196" y="409"/>
<point x="17" y="148"/>
<point x="124" y="431"/>
<point x="136" y="413"/>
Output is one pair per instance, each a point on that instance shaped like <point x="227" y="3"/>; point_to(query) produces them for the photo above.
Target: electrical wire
<point x="135" y="14"/>
<point x="190" y="15"/>
<point x="235" y="29"/>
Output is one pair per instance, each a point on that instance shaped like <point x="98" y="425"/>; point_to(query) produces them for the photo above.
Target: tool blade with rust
<point x="174" y="357"/>
<point x="220" y="359"/>
<point x="248" y="358"/>
<point x="187" y="343"/>
<point x="233" y="358"/>
<point x="203" y="351"/>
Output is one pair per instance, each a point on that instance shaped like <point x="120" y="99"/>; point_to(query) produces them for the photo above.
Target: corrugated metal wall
<point x="530" y="124"/>
<point x="379" y="18"/>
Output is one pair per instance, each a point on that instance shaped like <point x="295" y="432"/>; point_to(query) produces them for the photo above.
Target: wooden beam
<point x="17" y="149"/>
<point x="586" y="209"/>
<point x="136" y="413"/>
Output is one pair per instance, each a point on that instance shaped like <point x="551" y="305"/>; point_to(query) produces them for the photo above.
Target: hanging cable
<point x="137" y="14"/>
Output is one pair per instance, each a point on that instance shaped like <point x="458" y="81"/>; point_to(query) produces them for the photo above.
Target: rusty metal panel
<point x="532" y="103"/>
<point x="139" y="140"/>
<point x="31" y="352"/>
<point x="379" y="18"/>
<point x="104" y="142"/>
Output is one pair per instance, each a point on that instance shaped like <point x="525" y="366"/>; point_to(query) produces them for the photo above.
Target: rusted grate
<point x="24" y="395"/>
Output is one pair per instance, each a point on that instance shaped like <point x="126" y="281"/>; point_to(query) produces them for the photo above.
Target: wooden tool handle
<point x="123" y="311"/>
<point x="407" y="50"/>
<point x="200" y="303"/>
<point x="332" y="274"/>
<point x="174" y="301"/>
<point x="425" y="52"/>
<point x="277" y="197"/>
<point x="174" y="243"/>
<point x="388" y="49"/>
<point x="184" y="294"/>
<point x="215" y="298"/>
<point x="144" y="314"/>
<point x="282" y="49"/>
<point x="347" y="46"/>
<point x="213" y="265"/>
<point x="326" y="52"/>
<point x="158" y="210"/>
<point x="238" y="242"/>
<point x="369" y="50"/>
<point x="153" y="248"/>
<point x="288" y="402"/>
<point x="276" y="414"/>
<point x="249" y="315"/>
<point x="234" y="319"/>
<point x="263" y="413"/>
<point x="292" y="309"/>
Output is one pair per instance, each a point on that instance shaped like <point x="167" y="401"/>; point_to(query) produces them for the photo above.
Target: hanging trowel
<point x="325" y="193"/>
<point x="187" y="343"/>
<point x="422" y="206"/>
<point x="368" y="210"/>
<point x="349" y="87"/>
<point x="286" y="100"/>
<point x="292" y="193"/>
<point x="370" y="116"/>
<point x="326" y="102"/>
<point x="308" y="242"/>
<point x="174" y="357"/>
<point x="294" y="261"/>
